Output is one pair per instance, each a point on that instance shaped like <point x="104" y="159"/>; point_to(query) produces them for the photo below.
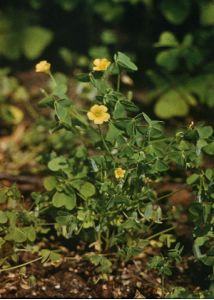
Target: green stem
<point x="170" y="194"/>
<point x="107" y="240"/>
<point x="161" y="232"/>
<point x="118" y="82"/>
<point x="162" y="286"/>
<point x="52" y="78"/>
<point x="104" y="143"/>
<point x="22" y="265"/>
<point x="99" y="238"/>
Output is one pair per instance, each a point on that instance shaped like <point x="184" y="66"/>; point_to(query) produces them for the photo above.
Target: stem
<point x="170" y="194"/>
<point x="118" y="82"/>
<point x="107" y="240"/>
<point x="52" y="78"/>
<point x="161" y="232"/>
<point x="162" y="286"/>
<point x="22" y="265"/>
<point x="99" y="238"/>
<point x="104" y="142"/>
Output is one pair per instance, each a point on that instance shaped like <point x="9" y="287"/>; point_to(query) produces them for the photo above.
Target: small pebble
<point x="104" y="287"/>
<point x="12" y="288"/>
<point x="57" y="287"/>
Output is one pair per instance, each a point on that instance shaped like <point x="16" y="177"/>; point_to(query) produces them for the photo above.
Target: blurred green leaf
<point x="35" y="40"/>
<point x="175" y="12"/>
<point x="207" y="13"/>
<point x="167" y="39"/>
<point x="168" y="59"/>
<point x="209" y="149"/>
<point x="171" y="104"/>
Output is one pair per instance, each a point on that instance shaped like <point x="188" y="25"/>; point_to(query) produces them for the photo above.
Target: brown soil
<point x="74" y="277"/>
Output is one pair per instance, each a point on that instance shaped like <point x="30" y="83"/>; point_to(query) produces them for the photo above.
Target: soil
<point x="74" y="277"/>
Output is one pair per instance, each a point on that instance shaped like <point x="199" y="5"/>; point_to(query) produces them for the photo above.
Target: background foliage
<point x="171" y="42"/>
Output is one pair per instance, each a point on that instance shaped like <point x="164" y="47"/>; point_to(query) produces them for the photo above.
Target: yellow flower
<point x="43" y="66"/>
<point x="98" y="114"/>
<point x="119" y="173"/>
<point x="101" y="64"/>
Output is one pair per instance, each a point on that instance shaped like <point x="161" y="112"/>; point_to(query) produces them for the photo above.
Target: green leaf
<point x="168" y="59"/>
<point x="87" y="189"/>
<point x="108" y="37"/>
<point x="209" y="173"/>
<point x="46" y="102"/>
<point x="193" y="178"/>
<point x="175" y="11"/>
<point x="129" y="106"/>
<point x="62" y="109"/>
<point x="201" y="143"/>
<point x="83" y="77"/>
<point x="3" y="217"/>
<point x="207" y="13"/>
<point x="61" y="199"/>
<point x="112" y="133"/>
<point x="57" y="163"/>
<point x="35" y="40"/>
<point x="50" y="183"/>
<point x="205" y="132"/>
<point x="171" y="104"/>
<point x="119" y="111"/>
<point x="209" y="149"/>
<point x="200" y="240"/>
<point x="3" y="196"/>
<point x="54" y="256"/>
<point x="160" y="166"/>
<point x="148" y="213"/>
<point x="45" y="253"/>
<point x="30" y="233"/>
<point x="64" y="218"/>
<point x="86" y="217"/>
<point x="105" y="265"/>
<point x="125" y="62"/>
<point x="17" y="235"/>
<point x="147" y="119"/>
<point x="101" y="51"/>
<point x="60" y="91"/>
<point x="167" y="39"/>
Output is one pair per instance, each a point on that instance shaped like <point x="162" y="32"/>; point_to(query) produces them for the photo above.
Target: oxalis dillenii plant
<point x="104" y="190"/>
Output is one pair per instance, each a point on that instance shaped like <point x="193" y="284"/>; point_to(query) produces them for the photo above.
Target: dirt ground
<point x="74" y="277"/>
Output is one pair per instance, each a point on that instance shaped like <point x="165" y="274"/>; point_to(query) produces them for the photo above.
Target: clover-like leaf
<point x="125" y="62"/>
<point x="61" y="199"/>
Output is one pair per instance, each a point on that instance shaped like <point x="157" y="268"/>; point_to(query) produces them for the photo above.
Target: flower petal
<point x="90" y="115"/>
